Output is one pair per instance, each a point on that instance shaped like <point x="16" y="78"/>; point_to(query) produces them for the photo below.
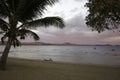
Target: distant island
<point x="60" y="44"/>
<point x="43" y="43"/>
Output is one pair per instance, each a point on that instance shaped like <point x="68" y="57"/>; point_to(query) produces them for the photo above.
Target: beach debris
<point x="50" y="59"/>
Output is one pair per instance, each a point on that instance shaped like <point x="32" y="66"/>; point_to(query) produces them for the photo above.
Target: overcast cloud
<point x="76" y="31"/>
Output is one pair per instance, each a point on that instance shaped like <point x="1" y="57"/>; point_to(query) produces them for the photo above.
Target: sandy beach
<point x="23" y="69"/>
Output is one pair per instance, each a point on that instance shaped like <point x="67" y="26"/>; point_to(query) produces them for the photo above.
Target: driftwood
<point x="48" y="60"/>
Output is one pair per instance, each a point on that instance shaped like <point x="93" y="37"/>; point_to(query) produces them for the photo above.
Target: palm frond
<point x="1" y="32"/>
<point x="4" y="37"/>
<point x="24" y="32"/>
<point x="16" y="42"/>
<point x="13" y="5"/>
<point x="4" y="9"/>
<point x="47" y="21"/>
<point x="3" y="25"/>
<point x="32" y="8"/>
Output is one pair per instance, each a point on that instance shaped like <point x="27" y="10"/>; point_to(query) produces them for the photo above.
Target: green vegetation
<point x="103" y="14"/>
<point x="18" y="17"/>
<point x="20" y="69"/>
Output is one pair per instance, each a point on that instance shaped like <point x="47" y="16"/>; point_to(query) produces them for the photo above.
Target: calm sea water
<point x="78" y="54"/>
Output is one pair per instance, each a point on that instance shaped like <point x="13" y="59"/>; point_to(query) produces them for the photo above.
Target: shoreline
<point x="72" y="54"/>
<point x="63" y="62"/>
<point x="101" y="60"/>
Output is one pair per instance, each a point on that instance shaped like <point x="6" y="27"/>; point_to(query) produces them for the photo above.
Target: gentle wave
<point x="77" y="54"/>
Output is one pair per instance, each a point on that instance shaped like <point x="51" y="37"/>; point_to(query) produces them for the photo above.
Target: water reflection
<point x="76" y="54"/>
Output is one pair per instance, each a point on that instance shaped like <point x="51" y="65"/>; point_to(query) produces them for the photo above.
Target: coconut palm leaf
<point x="24" y="12"/>
<point x="4" y="9"/>
<point x="4" y="37"/>
<point x="16" y="42"/>
<point x="47" y="21"/>
<point x="3" y="25"/>
<point x="31" y="8"/>
<point x="24" y="32"/>
<point x="20" y="8"/>
<point x="1" y="32"/>
<point x="13" y="5"/>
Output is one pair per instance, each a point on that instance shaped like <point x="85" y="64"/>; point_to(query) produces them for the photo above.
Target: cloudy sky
<point x="73" y="12"/>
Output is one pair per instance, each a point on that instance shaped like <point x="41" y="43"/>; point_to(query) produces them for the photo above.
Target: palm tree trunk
<point x="4" y="56"/>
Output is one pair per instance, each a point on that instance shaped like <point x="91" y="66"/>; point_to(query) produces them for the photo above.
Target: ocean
<point x="107" y="55"/>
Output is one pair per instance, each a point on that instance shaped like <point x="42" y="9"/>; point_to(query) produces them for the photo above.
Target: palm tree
<point x="17" y="17"/>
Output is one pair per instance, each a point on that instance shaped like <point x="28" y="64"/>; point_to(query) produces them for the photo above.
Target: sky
<point x="76" y="31"/>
